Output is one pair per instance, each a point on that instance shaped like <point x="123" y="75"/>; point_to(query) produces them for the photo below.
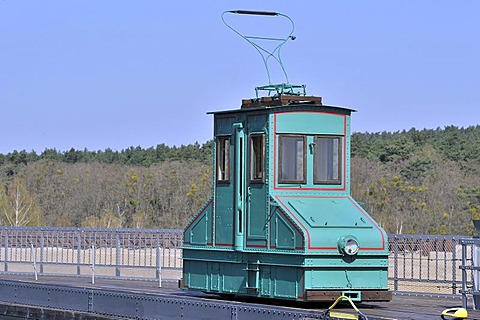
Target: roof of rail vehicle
<point x="318" y="107"/>
<point x="285" y="103"/>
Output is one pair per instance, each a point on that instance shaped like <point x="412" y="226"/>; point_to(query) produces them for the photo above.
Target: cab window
<point x="223" y="159"/>
<point x="292" y="159"/>
<point x="327" y="160"/>
<point x="257" y="158"/>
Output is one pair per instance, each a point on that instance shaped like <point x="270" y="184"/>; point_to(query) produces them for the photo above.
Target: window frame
<point x="340" y="160"/>
<point x="253" y="179"/>
<point x="220" y="145"/>
<point x="304" y="159"/>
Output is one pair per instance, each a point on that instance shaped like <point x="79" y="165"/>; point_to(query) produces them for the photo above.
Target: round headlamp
<point x="349" y="245"/>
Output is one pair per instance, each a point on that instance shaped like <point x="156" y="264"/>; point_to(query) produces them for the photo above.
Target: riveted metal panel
<point x="326" y="219"/>
<point x="364" y="278"/>
<point x="199" y="229"/>
<point x="66" y="298"/>
<point x="197" y="274"/>
<point x="310" y="123"/>
<point x="151" y="307"/>
<point x="110" y="303"/>
<point x="207" y="310"/>
<point x="8" y="293"/>
<point x="249" y="313"/>
<point x="44" y="295"/>
<point x="124" y="305"/>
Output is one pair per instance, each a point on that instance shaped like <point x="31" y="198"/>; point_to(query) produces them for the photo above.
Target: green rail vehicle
<point x="281" y="223"/>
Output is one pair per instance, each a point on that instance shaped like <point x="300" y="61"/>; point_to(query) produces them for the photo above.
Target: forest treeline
<point x="417" y="181"/>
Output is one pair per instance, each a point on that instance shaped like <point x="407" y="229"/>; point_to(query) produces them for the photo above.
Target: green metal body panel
<point x="324" y="219"/>
<point x="200" y="230"/>
<point x="307" y="122"/>
<point x="263" y="236"/>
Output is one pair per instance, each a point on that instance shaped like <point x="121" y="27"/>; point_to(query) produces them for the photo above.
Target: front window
<point x="223" y="159"/>
<point x="257" y="156"/>
<point x="292" y="159"/>
<point x="328" y="160"/>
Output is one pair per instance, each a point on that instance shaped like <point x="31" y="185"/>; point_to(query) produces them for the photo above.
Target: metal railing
<point x="446" y="266"/>
<point x="142" y="254"/>
<point x="470" y="272"/>
<point x="423" y="264"/>
<point x="418" y="264"/>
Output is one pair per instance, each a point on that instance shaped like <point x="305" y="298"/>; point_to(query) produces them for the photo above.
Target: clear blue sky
<point x="114" y="74"/>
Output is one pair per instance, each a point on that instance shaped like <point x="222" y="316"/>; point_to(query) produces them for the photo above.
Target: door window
<point x="223" y="159"/>
<point x="257" y="158"/>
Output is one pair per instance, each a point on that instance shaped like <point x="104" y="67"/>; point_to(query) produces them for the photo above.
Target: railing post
<point x="42" y="245"/>
<point x="6" y="250"/>
<point x="475" y="274"/>
<point x="464" y="274"/>
<point x="34" y="258"/>
<point x="158" y="262"/>
<point x="79" y="249"/>
<point x="395" y="263"/>
<point x="117" y="256"/>
<point x="93" y="264"/>
<point x="454" y="265"/>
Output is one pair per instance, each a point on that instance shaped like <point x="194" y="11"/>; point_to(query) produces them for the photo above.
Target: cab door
<point x="240" y="190"/>
<point x="256" y="189"/>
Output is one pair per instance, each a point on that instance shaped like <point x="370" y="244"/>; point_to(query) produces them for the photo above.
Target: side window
<point x="257" y="158"/>
<point x="223" y="159"/>
<point x="328" y="160"/>
<point x="292" y="151"/>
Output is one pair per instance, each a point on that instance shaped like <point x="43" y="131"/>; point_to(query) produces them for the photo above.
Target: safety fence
<point x="425" y="264"/>
<point x="418" y="264"/>
<point x="436" y="265"/>
<point x="141" y="254"/>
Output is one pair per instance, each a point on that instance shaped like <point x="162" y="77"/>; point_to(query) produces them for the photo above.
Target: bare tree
<point x="21" y="208"/>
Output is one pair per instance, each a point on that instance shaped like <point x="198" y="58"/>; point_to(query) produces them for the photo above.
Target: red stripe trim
<point x="332" y="248"/>
<point x="296" y="228"/>
<point x="372" y="222"/>
<point x="256" y="246"/>
<point x="224" y="244"/>
<point x="344" y="180"/>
